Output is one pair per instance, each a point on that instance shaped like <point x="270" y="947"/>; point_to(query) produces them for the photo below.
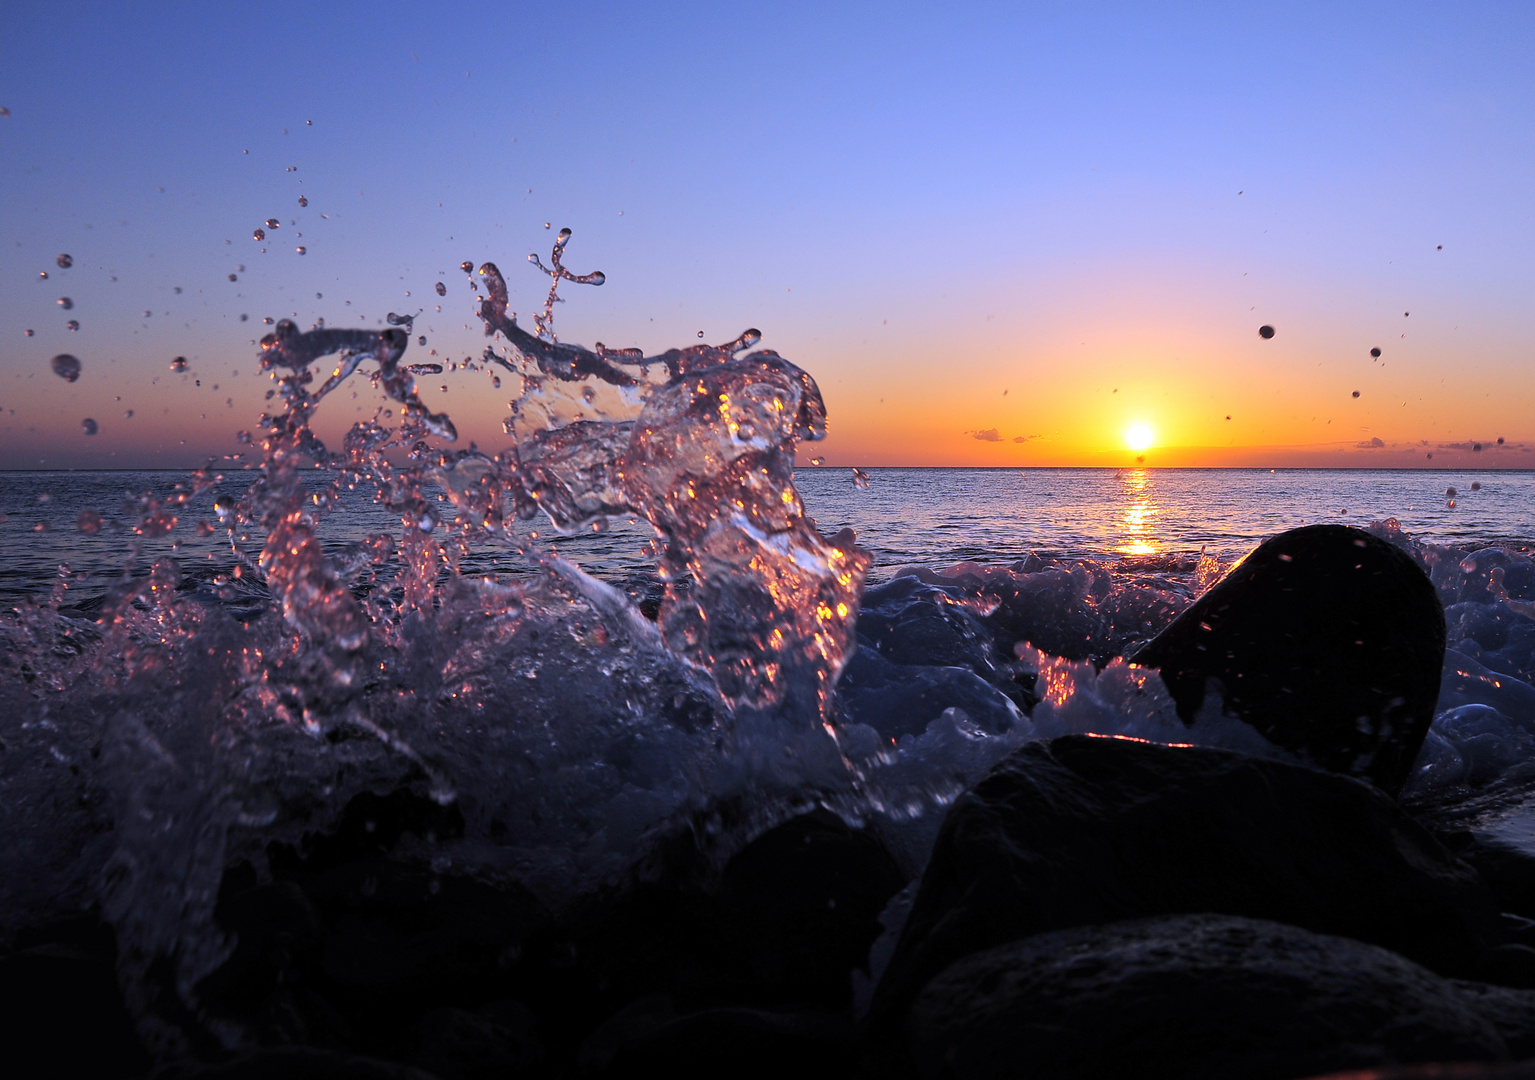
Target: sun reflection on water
<point x="1141" y="515"/>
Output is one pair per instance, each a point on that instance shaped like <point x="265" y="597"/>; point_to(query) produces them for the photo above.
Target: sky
<point x="995" y="234"/>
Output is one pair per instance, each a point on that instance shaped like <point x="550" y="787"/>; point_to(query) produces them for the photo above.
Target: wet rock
<point x="61" y="1013"/>
<point x="495" y="1041"/>
<point x="785" y="922"/>
<point x="740" y="1043"/>
<point x="1088" y="830"/>
<point x="292" y="1063"/>
<point x="1327" y="640"/>
<point x="1189" y="996"/>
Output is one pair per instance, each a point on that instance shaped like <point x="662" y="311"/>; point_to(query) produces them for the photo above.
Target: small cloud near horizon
<point x="1024" y="438"/>
<point x="988" y="435"/>
<point x="1376" y="443"/>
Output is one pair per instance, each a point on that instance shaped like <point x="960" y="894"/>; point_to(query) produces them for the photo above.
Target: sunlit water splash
<point x="192" y="720"/>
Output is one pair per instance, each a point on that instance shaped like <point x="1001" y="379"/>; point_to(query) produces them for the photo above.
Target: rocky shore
<point x="1094" y="907"/>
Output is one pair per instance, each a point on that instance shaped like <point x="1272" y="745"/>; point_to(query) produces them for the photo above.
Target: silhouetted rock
<point x="786" y="921"/>
<point x="1091" y="830"/>
<point x="1189" y="996"/>
<point x="292" y="1063"/>
<point x="1327" y="640"/>
<point x="740" y="1043"/>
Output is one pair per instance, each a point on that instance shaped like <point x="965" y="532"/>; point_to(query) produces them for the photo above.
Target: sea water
<point x="634" y="613"/>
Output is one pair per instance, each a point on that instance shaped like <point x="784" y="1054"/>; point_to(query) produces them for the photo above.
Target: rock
<point x="493" y="1042"/>
<point x="1327" y="640"/>
<point x="1453" y="1070"/>
<point x="1189" y="996"/>
<point x="740" y="1043"/>
<point x="1510" y="1010"/>
<point x="291" y="1063"/>
<point x="61" y="1013"/>
<point x="786" y="921"/>
<point x="1087" y="829"/>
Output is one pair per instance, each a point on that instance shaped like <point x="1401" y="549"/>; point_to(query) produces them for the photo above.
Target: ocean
<point x="903" y="517"/>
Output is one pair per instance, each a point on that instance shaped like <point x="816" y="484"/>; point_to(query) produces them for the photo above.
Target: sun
<point x="1139" y="437"/>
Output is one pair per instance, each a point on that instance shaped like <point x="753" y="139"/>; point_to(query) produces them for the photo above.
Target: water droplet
<point x="88" y="522"/>
<point x="818" y="461"/>
<point x="546" y="224"/>
<point x="72" y="324"/>
<point x="127" y="414"/>
<point x="303" y="201"/>
<point x="1375" y="352"/>
<point x="1356" y="393"/>
<point x="66" y="303"/>
<point x="1265" y="332"/>
<point x="442" y="290"/>
<point x="234" y="277"/>
<point x="88" y="426"/>
<point x="860" y="479"/>
<point x="1476" y="485"/>
<point x="1439" y="248"/>
<point x="700" y="333"/>
<point x="259" y="234"/>
<point x="1500" y="440"/>
<point x="244" y="317"/>
<point x="300" y="249"/>
<point x="427" y="522"/>
<point x="1476" y="447"/>
<point x="65" y="262"/>
<point x="588" y="395"/>
<point x="466" y="266"/>
<point x="179" y="364"/>
<point x="65" y="367"/>
<point x="43" y="275"/>
<point x="224" y="507"/>
<point x="272" y="223"/>
<point x="421" y="340"/>
<point x="242" y="437"/>
<point x="1405" y="314"/>
<point x="29" y="333"/>
<point x="292" y="168"/>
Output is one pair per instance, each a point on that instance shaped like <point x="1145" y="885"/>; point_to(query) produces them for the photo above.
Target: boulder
<point x="1088" y="829"/>
<point x="742" y="1043"/>
<point x="1327" y="640"/>
<point x="1189" y="996"/>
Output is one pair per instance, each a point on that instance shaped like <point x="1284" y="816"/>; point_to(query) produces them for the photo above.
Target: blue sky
<point x="923" y="208"/>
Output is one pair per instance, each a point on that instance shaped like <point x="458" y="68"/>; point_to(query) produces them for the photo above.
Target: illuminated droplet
<point x="66" y="303"/>
<point x="259" y="234"/>
<point x="65" y="262"/>
<point x="301" y="249"/>
<point x="1356" y="393"/>
<point x="1265" y="332"/>
<point x="179" y="364"/>
<point x="466" y="266"/>
<point x="272" y="223"/>
<point x="72" y="324"/>
<point x="442" y="290"/>
<point x="303" y="201"/>
<point x="860" y="479"/>
<point x="224" y="507"/>
<point x="421" y="340"/>
<point x="65" y="367"/>
<point x="234" y="277"/>
<point x="88" y="426"/>
<point x="818" y="461"/>
<point x="1476" y="485"/>
<point x="42" y="275"/>
<point x="29" y="333"/>
<point x="88" y="522"/>
<point x="700" y="333"/>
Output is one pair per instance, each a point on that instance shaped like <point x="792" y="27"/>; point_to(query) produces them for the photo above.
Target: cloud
<point x="1024" y="438"/>
<point x="1374" y="444"/>
<point x="991" y="434"/>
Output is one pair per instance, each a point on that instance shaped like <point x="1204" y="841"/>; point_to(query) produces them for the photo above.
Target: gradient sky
<point x="995" y="234"/>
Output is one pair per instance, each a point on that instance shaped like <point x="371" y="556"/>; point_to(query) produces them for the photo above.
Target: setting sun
<point x="1139" y="437"/>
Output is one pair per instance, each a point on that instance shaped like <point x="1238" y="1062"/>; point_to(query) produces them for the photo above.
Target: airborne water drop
<point x="65" y="367"/>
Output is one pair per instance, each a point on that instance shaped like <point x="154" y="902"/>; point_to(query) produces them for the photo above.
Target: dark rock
<point x="496" y="1041"/>
<point x="1088" y="830"/>
<point x="1451" y="1070"/>
<point x="291" y="1063"/>
<point x="61" y="1013"/>
<point x="740" y="1043"/>
<point x="1327" y="640"/>
<point x="786" y="921"/>
<point x="1510" y="1010"/>
<point x="1189" y="996"/>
